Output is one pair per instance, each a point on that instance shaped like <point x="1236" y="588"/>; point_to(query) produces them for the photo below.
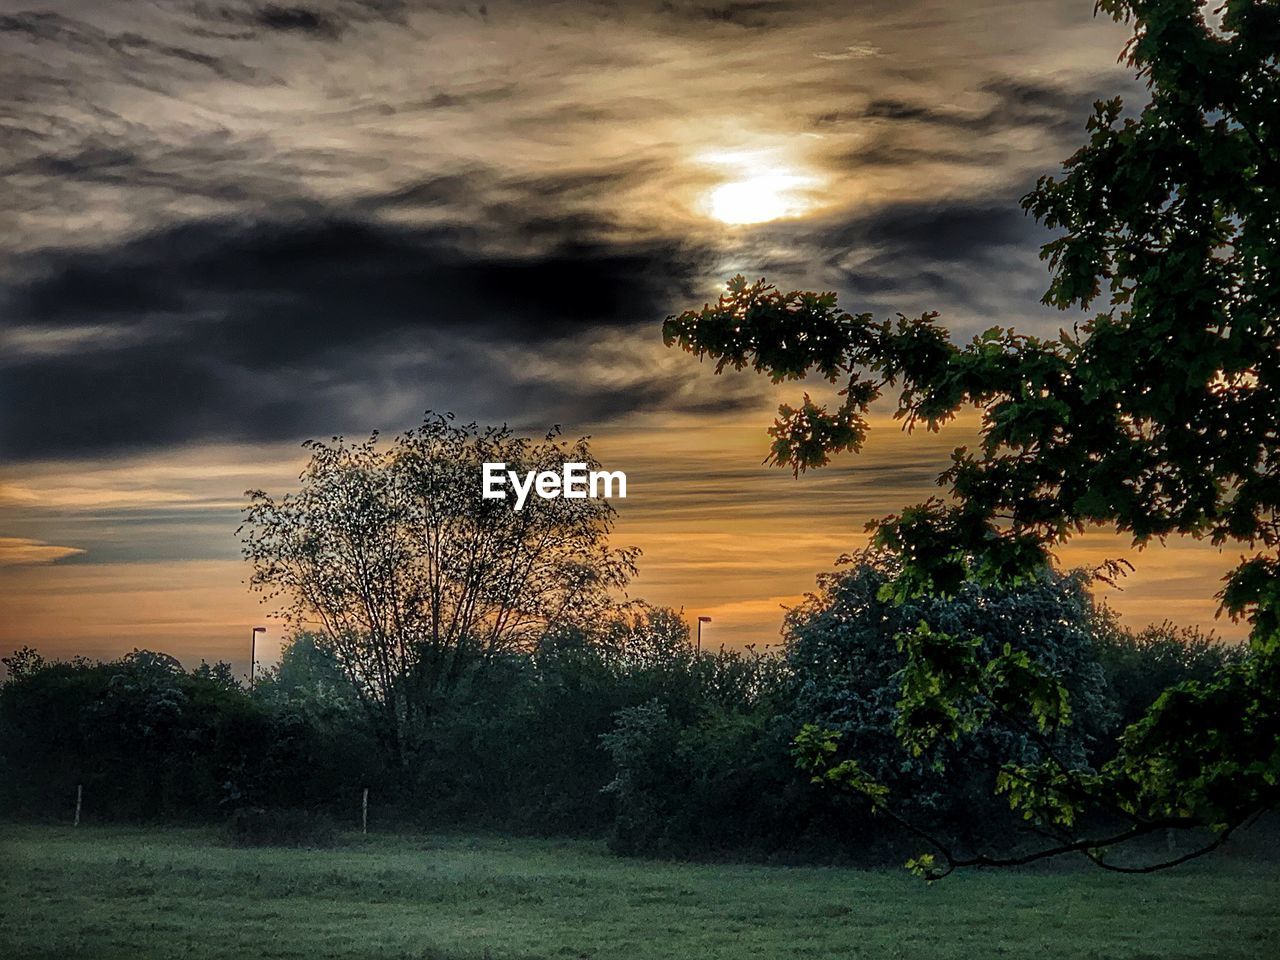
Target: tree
<point x="391" y="558"/>
<point x="308" y="670"/>
<point x="699" y="755"/>
<point x="519" y="744"/>
<point x="846" y="669"/>
<point x="321" y="745"/>
<point x="1156" y="417"/>
<point x="1142" y="665"/>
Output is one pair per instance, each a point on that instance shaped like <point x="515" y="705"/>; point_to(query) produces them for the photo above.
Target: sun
<point x="758" y="199"/>
<point x="756" y="189"/>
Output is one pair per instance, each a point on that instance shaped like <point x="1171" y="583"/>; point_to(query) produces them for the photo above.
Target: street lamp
<point x="701" y="621"/>
<point x="253" y="652"/>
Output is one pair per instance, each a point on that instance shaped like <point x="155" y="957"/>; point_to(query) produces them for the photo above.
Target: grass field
<point x="108" y="893"/>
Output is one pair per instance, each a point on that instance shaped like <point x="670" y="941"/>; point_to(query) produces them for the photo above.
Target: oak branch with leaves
<point x="1159" y="416"/>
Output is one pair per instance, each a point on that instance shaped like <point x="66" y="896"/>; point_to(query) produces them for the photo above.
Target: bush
<point x="287" y="827"/>
<point x="1140" y="666"/>
<point x="711" y="772"/>
<point x="842" y="646"/>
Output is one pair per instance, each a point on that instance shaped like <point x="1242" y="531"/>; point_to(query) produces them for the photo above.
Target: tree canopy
<point x="841" y="649"/>
<point x="1156" y="416"/>
<point x="394" y="562"/>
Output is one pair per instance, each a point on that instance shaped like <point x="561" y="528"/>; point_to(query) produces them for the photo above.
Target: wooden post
<point x="79" y="798"/>
<point x="364" y="812"/>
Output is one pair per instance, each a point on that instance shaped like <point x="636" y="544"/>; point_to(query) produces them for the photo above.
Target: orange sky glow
<point x="721" y="534"/>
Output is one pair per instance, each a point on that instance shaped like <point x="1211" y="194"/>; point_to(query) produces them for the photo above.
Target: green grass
<point x="109" y="893"/>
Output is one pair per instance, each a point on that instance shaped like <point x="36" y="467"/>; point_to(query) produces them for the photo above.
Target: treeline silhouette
<point x="623" y="729"/>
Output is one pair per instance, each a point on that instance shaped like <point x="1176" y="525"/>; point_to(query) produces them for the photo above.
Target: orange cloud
<point x="23" y="552"/>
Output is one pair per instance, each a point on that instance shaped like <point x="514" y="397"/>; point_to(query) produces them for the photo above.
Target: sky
<point x="226" y="227"/>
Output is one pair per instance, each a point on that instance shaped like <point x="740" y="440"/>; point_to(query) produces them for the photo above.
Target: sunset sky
<point x="230" y="226"/>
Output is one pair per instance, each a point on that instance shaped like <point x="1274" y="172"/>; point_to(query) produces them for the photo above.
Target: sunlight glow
<point x="758" y="199"/>
<point x="756" y="186"/>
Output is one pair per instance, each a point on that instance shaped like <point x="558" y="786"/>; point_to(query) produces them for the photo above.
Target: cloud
<point x="300" y="19"/>
<point x="518" y="299"/>
<point x="749" y="14"/>
<point x="855" y="51"/>
<point x="143" y="58"/>
<point x="1004" y="104"/>
<point x="231" y="225"/>
<point x="265" y="331"/>
<point x="21" y="552"/>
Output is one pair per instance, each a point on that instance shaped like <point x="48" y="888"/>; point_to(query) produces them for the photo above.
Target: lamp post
<point x="701" y="621"/>
<point x="253" y="653"/>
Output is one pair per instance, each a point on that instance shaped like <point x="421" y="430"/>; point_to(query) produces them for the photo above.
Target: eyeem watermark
<point x="574" y="481"/>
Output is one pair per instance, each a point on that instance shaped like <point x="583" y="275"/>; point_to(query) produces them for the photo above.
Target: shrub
<point x="842" y="645"/>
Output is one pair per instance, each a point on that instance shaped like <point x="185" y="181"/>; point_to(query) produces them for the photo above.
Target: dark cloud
<point x="334" y="281"/>
<point x="191" y="322"/>
<point x="974" y="261"/>
<point x="264" y="331"/>
<point x="253" y="220"/>
<point x="132" y="52"/>
<point x="129" y="398"/>
<point x="958" y="233"/>
<point x="318" y="19"/>
<point x="298" y="19"/>
<point x="750" y="14"/>
<point x="1007" y="103"/>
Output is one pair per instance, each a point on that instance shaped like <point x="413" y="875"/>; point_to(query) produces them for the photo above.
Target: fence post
<point x="364" y="812"/>
<point x="79" y="798"/>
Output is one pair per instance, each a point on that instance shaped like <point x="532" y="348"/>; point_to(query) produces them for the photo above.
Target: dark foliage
<point x="1141" y="666"/>
<point x="147" y="740"/>
<point x="620" y="730"/>
<point x="844" y="651"/>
